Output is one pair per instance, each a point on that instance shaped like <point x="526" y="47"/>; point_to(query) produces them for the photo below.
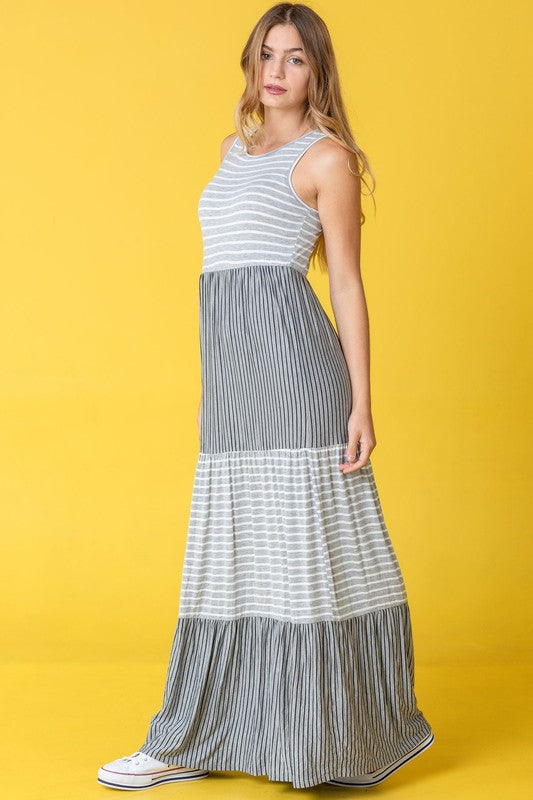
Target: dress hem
<point x="341" y="768"/>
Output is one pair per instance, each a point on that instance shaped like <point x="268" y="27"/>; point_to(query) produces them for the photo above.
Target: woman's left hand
<point x="361" y="439"/>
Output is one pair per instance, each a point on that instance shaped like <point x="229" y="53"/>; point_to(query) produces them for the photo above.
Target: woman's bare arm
<point x="339" y="204"/>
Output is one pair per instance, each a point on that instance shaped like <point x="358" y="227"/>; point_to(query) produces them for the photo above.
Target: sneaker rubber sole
<point x="131" y="781"/>
<point x="372" y="778"/>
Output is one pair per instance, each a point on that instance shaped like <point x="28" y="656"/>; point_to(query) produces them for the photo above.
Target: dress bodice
<point x="250" y="213"/>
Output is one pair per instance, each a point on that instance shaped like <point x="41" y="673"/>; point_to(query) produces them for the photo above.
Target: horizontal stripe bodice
<point x="250" y="213"/>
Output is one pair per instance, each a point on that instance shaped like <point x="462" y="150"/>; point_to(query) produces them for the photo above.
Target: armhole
<point x="230" y="148"/>
<point x="291" y="187"/>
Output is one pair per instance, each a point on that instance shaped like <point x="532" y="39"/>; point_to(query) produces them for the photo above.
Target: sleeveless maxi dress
<point x="293" y="655"/>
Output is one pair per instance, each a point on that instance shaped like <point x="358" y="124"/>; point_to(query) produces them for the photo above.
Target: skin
<point x="322" y="180"/>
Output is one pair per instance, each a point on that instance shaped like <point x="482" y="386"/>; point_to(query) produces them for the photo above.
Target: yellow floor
<point x="62" y="721"/>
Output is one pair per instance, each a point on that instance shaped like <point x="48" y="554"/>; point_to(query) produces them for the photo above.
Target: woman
<point x="292" y="656"/>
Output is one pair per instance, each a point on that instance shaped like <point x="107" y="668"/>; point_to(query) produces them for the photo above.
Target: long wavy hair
<point x="325" y="109"/>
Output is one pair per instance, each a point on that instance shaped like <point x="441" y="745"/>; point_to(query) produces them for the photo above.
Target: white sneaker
<point x="140" y="771"/>
<point x="371" y="778"/>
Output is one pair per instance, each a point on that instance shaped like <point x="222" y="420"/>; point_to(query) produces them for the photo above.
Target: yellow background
<point x="112" y="117"/>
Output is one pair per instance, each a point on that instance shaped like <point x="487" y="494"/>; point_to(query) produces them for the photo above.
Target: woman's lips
<point x="275" y="90"/>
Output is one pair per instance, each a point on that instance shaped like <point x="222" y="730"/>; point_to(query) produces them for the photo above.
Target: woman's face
<point x="284" y="64"/>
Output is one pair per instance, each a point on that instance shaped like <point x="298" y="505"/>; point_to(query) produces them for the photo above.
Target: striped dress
<point x="292" y="656"/>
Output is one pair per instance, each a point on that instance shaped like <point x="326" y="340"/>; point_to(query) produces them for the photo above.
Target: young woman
<point x="293" y="653"/>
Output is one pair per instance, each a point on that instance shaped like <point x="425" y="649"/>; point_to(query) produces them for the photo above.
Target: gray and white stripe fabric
<point x="292" y="655"/>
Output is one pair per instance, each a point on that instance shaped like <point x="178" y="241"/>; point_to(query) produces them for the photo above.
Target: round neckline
<point x="276" y="149"/>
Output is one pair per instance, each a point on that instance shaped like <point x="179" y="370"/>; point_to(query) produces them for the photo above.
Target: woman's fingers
<point x="356" y="455"/>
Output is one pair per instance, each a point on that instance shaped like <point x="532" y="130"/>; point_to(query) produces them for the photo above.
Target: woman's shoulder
<point x="327" y="159"/>
<point x="227" y="141"/>
<point x="329" y="152"/>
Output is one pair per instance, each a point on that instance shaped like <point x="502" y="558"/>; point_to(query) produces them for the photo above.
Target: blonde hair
<point x="325" y="107"/>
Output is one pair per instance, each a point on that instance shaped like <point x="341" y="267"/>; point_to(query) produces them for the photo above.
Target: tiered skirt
<point x="293" y="654"/>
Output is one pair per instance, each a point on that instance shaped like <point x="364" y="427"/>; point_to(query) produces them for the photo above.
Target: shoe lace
<point x="137" y="757"/>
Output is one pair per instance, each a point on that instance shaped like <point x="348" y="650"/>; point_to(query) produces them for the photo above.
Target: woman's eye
<point x="292" y="58"/>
